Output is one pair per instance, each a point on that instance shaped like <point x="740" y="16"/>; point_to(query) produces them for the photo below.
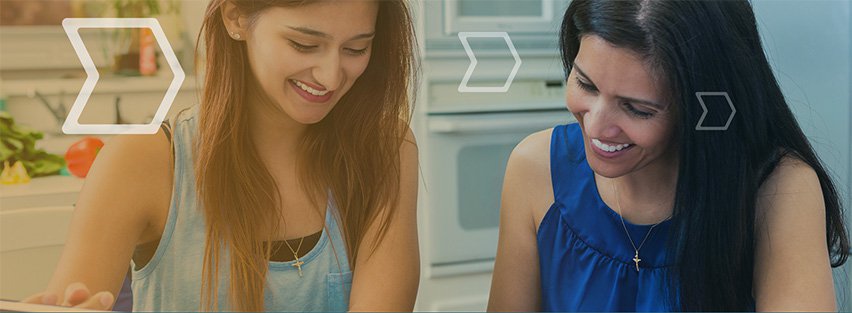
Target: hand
<point x="76" y="295"/>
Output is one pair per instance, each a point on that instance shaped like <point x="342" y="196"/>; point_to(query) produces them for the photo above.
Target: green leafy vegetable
<point x="18" y="144"/>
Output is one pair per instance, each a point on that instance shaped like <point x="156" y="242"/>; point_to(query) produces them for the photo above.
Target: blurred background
<point x="465" y="138"/>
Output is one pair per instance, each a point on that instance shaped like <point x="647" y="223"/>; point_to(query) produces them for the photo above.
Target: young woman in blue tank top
<point x="638" y="207"/>
<point x="290" y="187"/>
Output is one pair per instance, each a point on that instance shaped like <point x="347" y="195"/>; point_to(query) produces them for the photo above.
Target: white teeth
<point x="309" y="89"/>
<point x="609" y="148"/>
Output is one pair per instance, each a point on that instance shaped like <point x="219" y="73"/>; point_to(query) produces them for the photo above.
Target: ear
<point x="235" y="22"/>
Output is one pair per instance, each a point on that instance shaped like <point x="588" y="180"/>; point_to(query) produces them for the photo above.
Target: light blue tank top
<point x="171" y="281"/>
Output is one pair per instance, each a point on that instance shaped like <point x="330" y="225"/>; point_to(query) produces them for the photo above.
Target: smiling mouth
<point x="309" y="89"/>
<point x="309" y="93"/>
<point x="610" y="148"/>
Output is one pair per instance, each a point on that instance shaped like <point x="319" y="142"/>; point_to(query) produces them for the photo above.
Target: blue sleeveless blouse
<point x="586" y="259"/>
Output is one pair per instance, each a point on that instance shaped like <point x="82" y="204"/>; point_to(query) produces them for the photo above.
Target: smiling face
<point x="620" y="106"/>
<point x="305" y="58"/>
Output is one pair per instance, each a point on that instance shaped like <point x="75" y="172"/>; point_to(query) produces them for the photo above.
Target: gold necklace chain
<point x="298" y="263"/>
<point x="636" y="258"/>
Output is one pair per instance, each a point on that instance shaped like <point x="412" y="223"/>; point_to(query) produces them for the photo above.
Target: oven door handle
<point x="531" y="123"/>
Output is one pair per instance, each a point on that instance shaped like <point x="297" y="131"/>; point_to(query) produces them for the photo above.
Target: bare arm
<point x="527" y="193"/>
<point x="123" y="202"/>
<point x="792" y="270"/>
<point x="387" y="279"/>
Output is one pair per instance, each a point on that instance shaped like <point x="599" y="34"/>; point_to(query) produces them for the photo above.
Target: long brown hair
<point x="353" y="152"/>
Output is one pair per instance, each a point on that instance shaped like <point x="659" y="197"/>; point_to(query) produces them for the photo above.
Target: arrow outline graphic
<point x="72" y="124"/>
<point x="463" y="36"/>
<point x="700" y="96"/>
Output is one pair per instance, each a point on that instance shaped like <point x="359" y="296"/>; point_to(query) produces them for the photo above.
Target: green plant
<point x="18" y="144"/>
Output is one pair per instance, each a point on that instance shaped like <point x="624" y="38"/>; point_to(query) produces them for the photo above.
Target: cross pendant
<point x="636" y="260"/>
<point x="298" y="265"/>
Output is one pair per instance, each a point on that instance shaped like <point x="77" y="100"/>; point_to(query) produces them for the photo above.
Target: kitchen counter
<point x="53" y="190"/>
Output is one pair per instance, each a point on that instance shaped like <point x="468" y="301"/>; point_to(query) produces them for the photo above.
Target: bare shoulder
<point x="534" y="150"/>
<point x="146" y="150"/>
<point x="790" y="192"/>
<point x="143" y="158"/>
<point x="132" y="173"/>
<point x="528" y="176"/>
<point x="792" y="270"/>
<point x="791" y="175"/>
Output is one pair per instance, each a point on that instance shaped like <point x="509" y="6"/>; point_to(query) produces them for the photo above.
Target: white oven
<point x="467" y="162"/>
<point x="467" y="139"/>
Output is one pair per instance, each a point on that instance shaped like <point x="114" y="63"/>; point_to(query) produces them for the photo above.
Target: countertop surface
<point x="42" y="186"/>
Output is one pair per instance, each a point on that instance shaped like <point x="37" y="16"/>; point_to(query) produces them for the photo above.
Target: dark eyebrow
<point x="580" y="71"/>
<point x="651" y="103"/>
<point x="629" y="99"/>
<point x="316" y="33"/>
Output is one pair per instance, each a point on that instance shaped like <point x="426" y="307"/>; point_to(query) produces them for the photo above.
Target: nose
<point x="328" y="71"/>
<point x="601" y="120"/>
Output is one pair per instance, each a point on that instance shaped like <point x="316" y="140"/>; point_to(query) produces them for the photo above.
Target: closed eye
<point x="302" y="47"/>
<point x="636" y="112"/>
<point x="357" y="51"/>
<point x="627" y="105"/>
<point x="585" y="86"/>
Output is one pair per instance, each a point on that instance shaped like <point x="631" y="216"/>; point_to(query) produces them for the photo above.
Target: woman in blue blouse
<point x="638" y="207"/>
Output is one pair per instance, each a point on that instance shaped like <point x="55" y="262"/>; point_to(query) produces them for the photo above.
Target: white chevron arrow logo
<point x="463" y="36"/>
<point x="72" y="124"/>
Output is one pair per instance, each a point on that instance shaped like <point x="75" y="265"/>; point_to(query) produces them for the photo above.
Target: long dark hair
<point x="697" y="46"/>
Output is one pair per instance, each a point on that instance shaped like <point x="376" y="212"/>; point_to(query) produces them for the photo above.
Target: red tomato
<point x="81" y="155"/>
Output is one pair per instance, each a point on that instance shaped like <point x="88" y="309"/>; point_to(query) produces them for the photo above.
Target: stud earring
<point x="236" y="36"/>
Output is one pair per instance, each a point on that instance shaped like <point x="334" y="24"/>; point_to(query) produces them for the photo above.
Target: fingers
<point x="75" y="294"/>
<point x="79" y="296"/>
<point x="50" y="299"/>
<point x="100" y="301"/>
